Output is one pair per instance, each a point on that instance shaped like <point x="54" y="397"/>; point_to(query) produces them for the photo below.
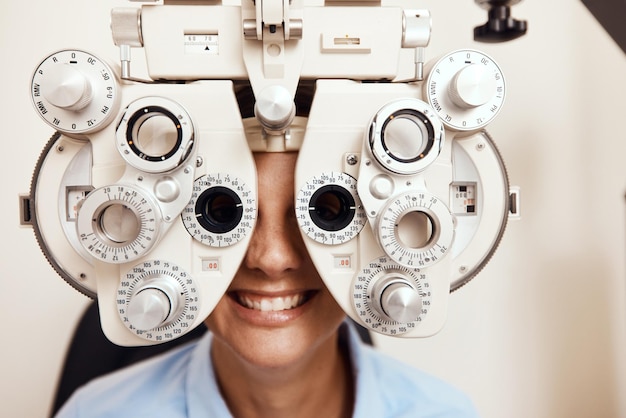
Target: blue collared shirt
<point x="182" y="384"/>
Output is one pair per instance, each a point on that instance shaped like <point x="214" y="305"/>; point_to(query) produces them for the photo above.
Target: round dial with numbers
<point x="158" y="300"/>
<point x="466" y="88"/>
<point x="75" y="92"/>
<point x="390" y="298"/>
<point x="221" y="212"/>
<point x="118" y="224"/>
<point x="329" y="210"/>
<point x="415" y="229"/>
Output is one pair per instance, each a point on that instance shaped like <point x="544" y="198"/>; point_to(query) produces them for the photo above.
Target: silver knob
<point x="155" y="304"/>
<point x="126" y="26"/>
<point x="401" y="302"/>
<point x="275" y="108"/>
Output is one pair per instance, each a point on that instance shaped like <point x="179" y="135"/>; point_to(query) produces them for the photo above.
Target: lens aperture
<point x="415" y="229"/>
<point x="154" y="134"/>
<point x="329" y="210"/>
<point x="219" y="210"/>
<point x="332" y="208"/>
<point x="118" y="223"/>
<point x="406" y="138"/>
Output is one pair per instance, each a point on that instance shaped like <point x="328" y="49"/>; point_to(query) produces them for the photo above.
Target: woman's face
<point x="277" y="309"/>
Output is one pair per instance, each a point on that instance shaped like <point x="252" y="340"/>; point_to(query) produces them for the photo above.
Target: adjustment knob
<point x="466" y="89"/>
<point x="148" y="309"/>
<point x="66" y="87"/>
<point x="401" y="302"/>
<point x="396" y="298"/>
<point x="275" y="108"/>
<point x="75" y="93"/>
<point x="472" y="86"/>
<point x="119" y="223"/>
<point x="158" y="301"/>
<point x="500" y="26"/>
<point x="393" y="299"/>
<point x="155" y="304"/>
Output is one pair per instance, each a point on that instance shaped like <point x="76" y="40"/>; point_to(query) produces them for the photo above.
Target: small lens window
<point x="415" y="230"/>
<point x="118" y="224"/>
<point x="407" y="137"/>
<point x="154" y="134"/>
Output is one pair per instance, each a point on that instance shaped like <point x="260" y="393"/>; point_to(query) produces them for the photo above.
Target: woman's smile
<point x="266" y="303"/>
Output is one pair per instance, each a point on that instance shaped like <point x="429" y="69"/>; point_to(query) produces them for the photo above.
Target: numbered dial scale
<point x="221" y="212"/>
<point x="416" y="229"/>
<point x="390" y="298"/>
<point x="158" y="301"/>
<point x="118" y="224"/>
<point x="329" y="210"/>
<point x="466" y="88"/>
<point x="75" y="92"/>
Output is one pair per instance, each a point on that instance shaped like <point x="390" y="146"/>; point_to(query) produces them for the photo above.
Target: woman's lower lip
<point x="269" y="318"/>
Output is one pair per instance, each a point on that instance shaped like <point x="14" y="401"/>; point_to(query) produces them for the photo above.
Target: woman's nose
<point x="275" y="247"/>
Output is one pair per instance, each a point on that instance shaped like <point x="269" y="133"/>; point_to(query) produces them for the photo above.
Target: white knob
<point x="275" y="108"/>
<point x="381" y="186"/>
<point x="167" y="189"/>
<point x="472" y="86"/>
<point x="66" y="87"/>
<point x="401" y="302"/>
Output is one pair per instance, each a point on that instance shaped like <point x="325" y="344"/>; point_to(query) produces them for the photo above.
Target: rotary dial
<point x="75" y="92"/>
<point x="221" y="212"/>
<point x="415" y="229"/>
<point x="158" y="300"/>
<point x="466" y="88"/>
<point x="118" y="224"/>
<point x="329" y="210"/>
<point x="390" y="298"/>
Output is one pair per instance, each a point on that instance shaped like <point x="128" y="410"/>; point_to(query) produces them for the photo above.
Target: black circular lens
<point x="332" y="208"/>
<point x="219" y="210"/>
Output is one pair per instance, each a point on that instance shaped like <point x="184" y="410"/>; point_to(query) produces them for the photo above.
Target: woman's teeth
<point x="268" y="304"/>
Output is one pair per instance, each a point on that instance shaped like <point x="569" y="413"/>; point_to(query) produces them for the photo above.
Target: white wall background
<point x="539" y="333"/>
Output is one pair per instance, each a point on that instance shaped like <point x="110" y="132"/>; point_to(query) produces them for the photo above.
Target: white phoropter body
<point x="146" y="196"/>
